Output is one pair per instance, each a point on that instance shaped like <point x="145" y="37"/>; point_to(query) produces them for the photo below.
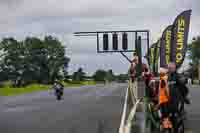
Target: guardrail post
<point x="135" y="89"/>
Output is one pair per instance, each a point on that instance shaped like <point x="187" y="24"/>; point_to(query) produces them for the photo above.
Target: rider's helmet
<point x="56" y="81"/>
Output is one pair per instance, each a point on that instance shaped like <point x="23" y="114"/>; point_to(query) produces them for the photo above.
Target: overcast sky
<point x="21" y="18"/>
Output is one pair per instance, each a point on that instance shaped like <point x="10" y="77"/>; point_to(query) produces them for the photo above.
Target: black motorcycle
<point x="58" y="91"/>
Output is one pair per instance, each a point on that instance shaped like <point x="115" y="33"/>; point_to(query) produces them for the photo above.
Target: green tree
<point x="100" y="75"/>
<point x="14" y="61"/>
<point x="122" y="77"/>
<point x="65" y="70"/>
<point x="110" y="76"/>
<point x="35" y="59"/>
<point x="32" y="59"/>
<point x="79" y="75"/>
<point x="55" y="57"/>
<point x="46" y="58"/>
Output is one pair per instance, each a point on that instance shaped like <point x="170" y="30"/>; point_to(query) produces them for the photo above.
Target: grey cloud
<point x="10" y="2"/>
<point x="90" y="8"/>
<point x="62" y="18"/>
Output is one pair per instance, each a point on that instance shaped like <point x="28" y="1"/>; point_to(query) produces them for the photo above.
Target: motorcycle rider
<point x="177" y="85"/>
<point x="58" y="87"/>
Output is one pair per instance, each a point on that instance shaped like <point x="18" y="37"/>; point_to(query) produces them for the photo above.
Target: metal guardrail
<point x="128" y="119"/>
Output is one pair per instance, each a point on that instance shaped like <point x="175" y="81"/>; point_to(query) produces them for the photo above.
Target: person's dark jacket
<point x="173" y="90"/>
<point x="181" y="83"/>
<point x="178" y="89"/>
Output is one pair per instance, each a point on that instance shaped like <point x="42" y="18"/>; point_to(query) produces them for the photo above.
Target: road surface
<point x="88" y="109"/>
<point x="193" y="111"/>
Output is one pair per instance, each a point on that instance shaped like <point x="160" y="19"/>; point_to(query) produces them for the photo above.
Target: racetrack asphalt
<point x="87" y="109"/>
<point x="192" y="123"/>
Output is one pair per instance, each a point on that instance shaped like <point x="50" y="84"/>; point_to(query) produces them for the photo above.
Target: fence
<point x="127" y="118"/>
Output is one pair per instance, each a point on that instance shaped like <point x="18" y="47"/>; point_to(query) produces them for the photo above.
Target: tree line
<point x="32" y="60"/>
<point x="35" y="60"/>
<point x="99" y="76"/>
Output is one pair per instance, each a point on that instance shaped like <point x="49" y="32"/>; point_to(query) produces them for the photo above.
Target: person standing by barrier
<point x="164" y="98"/>
<point x="133" y="67"/>
<point x="147" y="76"/>
<point x="178" y="88"/>
<point x="175" y="97"/>
<point x="178" y="93"/>
<point x="135" y="58"/>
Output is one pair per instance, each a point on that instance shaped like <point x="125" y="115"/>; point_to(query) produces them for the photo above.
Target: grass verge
<point x="196" y="82"/>
<point x="7" y="90"/>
